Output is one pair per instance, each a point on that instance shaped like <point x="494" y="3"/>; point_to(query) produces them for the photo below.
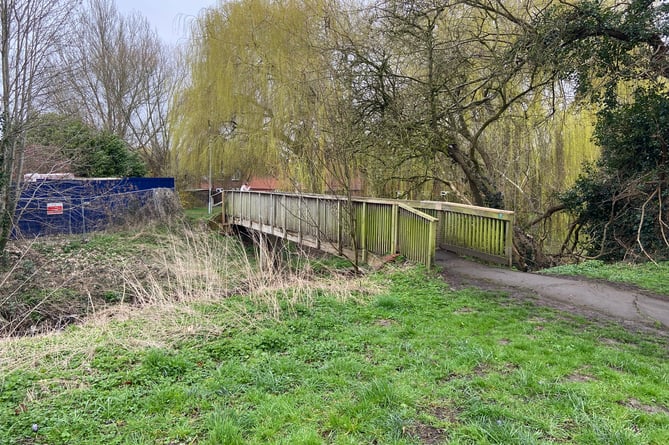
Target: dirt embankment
<point x="51" y="283"/>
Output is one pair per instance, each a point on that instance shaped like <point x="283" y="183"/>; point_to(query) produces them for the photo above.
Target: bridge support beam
<point x="269" y="250"/>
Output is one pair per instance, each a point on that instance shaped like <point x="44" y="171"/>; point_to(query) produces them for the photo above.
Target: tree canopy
<point x="30" y="34"/>
<point x="83" y="60"/>
<point x="490" y="102"/>
<point x="247" y="101"/>
<point x="618" y="59"/>
<point x="116" y="75"/>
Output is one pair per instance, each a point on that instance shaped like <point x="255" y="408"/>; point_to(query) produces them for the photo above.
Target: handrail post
<point x="432" y="251"/>
<point x="231" y="210"/>
<point x="508" y="247"/>
<point x="222" y="207"/>
<point x="363" y="232"/>
<point x="238" y="203"/>
<point x="440" y="226"/>
<point x="247" y="212"/>
<point x="284" y="210"/>
<point x="340" y="248"/>
<point x="318" y="223"/>
<point x="395" y="219"/>
<point x="255" y="199"/>
<point x="272" y="221"/>
<point x="299" y="219"/>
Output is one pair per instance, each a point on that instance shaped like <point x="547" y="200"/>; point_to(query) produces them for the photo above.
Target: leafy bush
<point x="106" y="154"/>
<point x="621" y="202"/>
<point x="90" y="152"/>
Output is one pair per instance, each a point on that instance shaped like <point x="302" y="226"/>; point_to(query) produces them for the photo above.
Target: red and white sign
<point x="54" y="208"/>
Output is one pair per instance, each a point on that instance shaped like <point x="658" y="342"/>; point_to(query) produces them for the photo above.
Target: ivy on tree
<point x="619" y="61"/>
<point x="621" y="201"/>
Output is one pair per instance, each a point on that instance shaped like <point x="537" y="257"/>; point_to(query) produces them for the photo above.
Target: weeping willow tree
<point x="417" y="97"/>
<point x="539" y="154"/>
<point x="432" y="80"/>
<point x="450" y="105"/>
<point x="250" y="105"/>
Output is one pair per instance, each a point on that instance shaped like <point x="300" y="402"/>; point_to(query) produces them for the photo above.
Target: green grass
<point x="202" y="213"/>
<point x="415" y="363"/>
<point x="645" y="275"/>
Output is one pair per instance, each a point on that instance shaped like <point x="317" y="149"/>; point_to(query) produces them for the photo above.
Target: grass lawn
<point x="199" y="213"/>
<point x="409" y="363"/>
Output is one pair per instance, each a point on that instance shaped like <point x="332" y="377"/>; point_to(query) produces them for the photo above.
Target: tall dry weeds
<point x="185" y="266"/>
<point x="197" y="265"/>
<point x="190" y="265"/>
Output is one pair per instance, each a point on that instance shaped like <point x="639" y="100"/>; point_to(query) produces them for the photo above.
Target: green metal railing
<point x="360" y="226"/>
<point x="354" y="228"/>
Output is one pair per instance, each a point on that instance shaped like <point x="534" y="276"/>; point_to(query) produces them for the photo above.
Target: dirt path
<point x="593" y="299"/>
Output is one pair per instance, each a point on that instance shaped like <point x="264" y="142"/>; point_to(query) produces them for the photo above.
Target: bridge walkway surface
<point x="591" y="298"/>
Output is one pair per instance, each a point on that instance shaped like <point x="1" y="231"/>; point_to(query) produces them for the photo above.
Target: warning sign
<point x="54" y="208"/>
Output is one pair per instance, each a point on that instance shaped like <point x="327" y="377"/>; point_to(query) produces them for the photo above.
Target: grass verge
<point x="202" y="213"/>
<point x="411" y="363"/>
<point x="650" y="276"/>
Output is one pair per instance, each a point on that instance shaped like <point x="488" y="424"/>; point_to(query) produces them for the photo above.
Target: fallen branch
<point x="663" y="224"/>
<point x="638" y="232"/>
<point x="547" y="214"/>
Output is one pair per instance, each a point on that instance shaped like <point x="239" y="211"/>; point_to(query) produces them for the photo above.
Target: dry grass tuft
<point x="192" y="265"/>
<point x="280" y="285"/>
<point x="163" y="289"/>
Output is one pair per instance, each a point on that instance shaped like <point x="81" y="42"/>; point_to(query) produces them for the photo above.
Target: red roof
<point x="264" y="184"/>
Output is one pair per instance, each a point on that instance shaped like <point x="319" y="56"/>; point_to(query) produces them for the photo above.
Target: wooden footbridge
<point x="360" y="227"/>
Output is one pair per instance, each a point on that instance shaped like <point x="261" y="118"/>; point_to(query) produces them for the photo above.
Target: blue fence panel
<point x="49" y="207"/>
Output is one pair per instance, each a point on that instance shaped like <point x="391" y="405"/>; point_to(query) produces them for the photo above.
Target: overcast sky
<point x="169" y="17"/>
